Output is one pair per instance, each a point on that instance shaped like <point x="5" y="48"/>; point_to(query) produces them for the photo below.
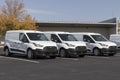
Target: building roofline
<point x="111" y="21"/>
<point x="78" y="23"/>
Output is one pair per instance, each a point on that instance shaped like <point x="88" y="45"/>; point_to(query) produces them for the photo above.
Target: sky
<point x="71" y="10"/>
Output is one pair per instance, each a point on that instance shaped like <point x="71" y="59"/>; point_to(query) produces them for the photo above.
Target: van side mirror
<point x="25" y="40"/>
<point x="57" y="41"/>
<point x="54" y="40"/>
<point x="91" y="41"/>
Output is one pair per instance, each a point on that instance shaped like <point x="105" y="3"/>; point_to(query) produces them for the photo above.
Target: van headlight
<point x="104" y="45"/>
<point x="70" y="45"/>
<point x="37" y="45"/>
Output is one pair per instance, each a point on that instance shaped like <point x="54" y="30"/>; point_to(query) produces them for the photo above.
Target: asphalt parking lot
<point x="87" y="68"/>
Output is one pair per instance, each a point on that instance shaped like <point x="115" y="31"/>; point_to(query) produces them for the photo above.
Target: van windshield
<point x="99" y="38"/>
<point x="37" y="37"/>
<point x="67" y="37"/>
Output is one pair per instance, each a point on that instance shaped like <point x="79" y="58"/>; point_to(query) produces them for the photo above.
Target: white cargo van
<point x="67" y="44"/>
<point x="115" y="38"/>
<point x="30" y="43"/>
<point x="97" y="43"/>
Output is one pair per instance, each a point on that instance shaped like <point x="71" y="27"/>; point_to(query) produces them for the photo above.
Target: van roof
<point x="57" y="32"/>
<point x="86" y="33"/>
<point x="115" y="35"/>
<point x="24" y="31"/>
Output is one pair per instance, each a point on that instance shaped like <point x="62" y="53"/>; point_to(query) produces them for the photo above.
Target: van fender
<point x="6" y="47"/>
<point x="28" y="49"/>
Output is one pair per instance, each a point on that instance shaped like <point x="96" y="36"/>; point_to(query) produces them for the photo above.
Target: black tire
<point x="30" y="54"/>
<point x="96" y="52"/>
<point x="82" y="56"/>
<point x="62" y="53"/>
<point x="7" y="52"/>
<point x="52" y="57"/>
<point x="111" y="54"/>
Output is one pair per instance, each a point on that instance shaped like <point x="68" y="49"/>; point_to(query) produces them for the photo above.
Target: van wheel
<point x="82" y="56"/>
<point x="30" y="54"/>
<point x="7" y="53"/>
<point x="52" y="57"/>
<point x="96" y="52"/>
<point x="62" y="53"/>
<point x="111" y="54"/>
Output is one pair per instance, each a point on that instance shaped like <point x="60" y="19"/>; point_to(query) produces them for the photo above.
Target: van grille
<point x="50" y="49"/>
<point x="112" y="47"/>
<point x="80" y="48"/>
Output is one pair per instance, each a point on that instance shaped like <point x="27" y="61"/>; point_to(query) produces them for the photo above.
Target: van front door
<point x="55" y="38"/>
<point x="89" y="42"/>
<point x="23" y="43"/>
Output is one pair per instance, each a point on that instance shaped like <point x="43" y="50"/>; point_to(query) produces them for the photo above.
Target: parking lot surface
<point x="87" y="68"/>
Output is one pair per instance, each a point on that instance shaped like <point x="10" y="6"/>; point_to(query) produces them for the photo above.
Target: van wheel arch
<point x="5" y="47"/>
<point x="28" y="49"/>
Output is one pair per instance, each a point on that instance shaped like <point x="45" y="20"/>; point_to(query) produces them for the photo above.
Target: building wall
<point x="118" y="27"/>
<point x="106" y="30"/>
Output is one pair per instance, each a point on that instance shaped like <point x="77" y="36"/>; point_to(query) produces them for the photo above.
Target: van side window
<point x="55" y="38"/>
<point x="23" y="38"/>
<point x="87" y="38"/>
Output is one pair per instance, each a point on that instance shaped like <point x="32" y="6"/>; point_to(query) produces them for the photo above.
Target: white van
<point x="115" y="38"/>
<point x="67" y="44"/>
<point x="30" y="43"/>
<point x="97" y="43"/>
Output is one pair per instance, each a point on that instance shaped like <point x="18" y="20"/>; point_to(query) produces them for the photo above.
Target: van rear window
<point x="37" y="37"/>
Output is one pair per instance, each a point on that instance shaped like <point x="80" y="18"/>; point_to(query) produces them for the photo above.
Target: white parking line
<point x="75" y="59"/>
<point x="99" y="57"/>
<point x="32" y="61"/>
<point x="117" y="55"/>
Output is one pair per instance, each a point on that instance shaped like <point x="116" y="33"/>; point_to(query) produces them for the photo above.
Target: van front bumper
<point x="110" y="50"/>
<point x="77" y="51"/>
<point x="46" y="52"/>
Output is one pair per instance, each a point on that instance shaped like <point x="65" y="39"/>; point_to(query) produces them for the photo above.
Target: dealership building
<point x="105" y="27"/>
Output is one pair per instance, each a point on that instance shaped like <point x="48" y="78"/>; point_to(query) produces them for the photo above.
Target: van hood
<point x="76" y="43"/>
<point x="107" y="43"/>
<point x="45" y="43"/>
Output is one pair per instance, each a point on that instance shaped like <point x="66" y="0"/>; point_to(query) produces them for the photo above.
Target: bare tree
<point x="14" y="16"/>
<point x="14" y="8"/>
